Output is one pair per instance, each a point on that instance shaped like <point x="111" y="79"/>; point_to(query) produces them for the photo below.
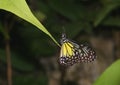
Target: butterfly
<point x="72" y="53"/>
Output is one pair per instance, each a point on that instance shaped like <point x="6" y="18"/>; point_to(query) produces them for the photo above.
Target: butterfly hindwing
<point x="87" y="54"/>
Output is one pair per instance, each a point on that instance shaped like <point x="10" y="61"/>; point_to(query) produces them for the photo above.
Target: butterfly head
<point x="63" y="38"/>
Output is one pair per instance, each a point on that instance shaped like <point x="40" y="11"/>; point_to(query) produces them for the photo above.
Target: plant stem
<point x="8" y="55"/>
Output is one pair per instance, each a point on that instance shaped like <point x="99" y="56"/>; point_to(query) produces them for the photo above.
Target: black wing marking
<point x="87" y="54"/>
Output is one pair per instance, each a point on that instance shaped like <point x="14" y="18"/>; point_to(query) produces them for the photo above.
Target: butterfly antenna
<point x="63" y="33"/>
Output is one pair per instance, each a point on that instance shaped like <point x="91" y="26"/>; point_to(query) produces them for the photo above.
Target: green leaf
<point x="21" y="9"/>
<point x="111" y="76"/>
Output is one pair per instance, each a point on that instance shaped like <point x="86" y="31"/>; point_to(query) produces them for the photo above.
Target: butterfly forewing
<point x="67" y="54"/>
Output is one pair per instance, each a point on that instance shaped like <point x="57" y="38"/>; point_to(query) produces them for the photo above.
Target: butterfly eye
<point x="63" y="35"/>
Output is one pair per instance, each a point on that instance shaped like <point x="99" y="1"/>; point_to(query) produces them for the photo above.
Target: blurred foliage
<point x="29" y="44"/>
<point x="111" y="76"/>
<point x="17" y="61"/>
<point x="39" y="79"/>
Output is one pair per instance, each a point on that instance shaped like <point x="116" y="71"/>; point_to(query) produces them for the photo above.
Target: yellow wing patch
<point x="67" y="50"/>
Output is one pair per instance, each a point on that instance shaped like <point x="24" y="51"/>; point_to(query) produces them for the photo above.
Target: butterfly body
<point x="72" y="53"/>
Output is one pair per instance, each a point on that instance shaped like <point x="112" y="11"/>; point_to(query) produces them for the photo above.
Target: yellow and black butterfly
<point x="72" y="53"/>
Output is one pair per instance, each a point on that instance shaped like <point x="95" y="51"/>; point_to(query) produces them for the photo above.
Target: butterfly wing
<point x="69" y="54"/>
<point x="72" y="53"/>
<point x="87" y="54"/>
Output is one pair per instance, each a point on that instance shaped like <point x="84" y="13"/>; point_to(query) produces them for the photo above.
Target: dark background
<point x="34" y="56"/>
